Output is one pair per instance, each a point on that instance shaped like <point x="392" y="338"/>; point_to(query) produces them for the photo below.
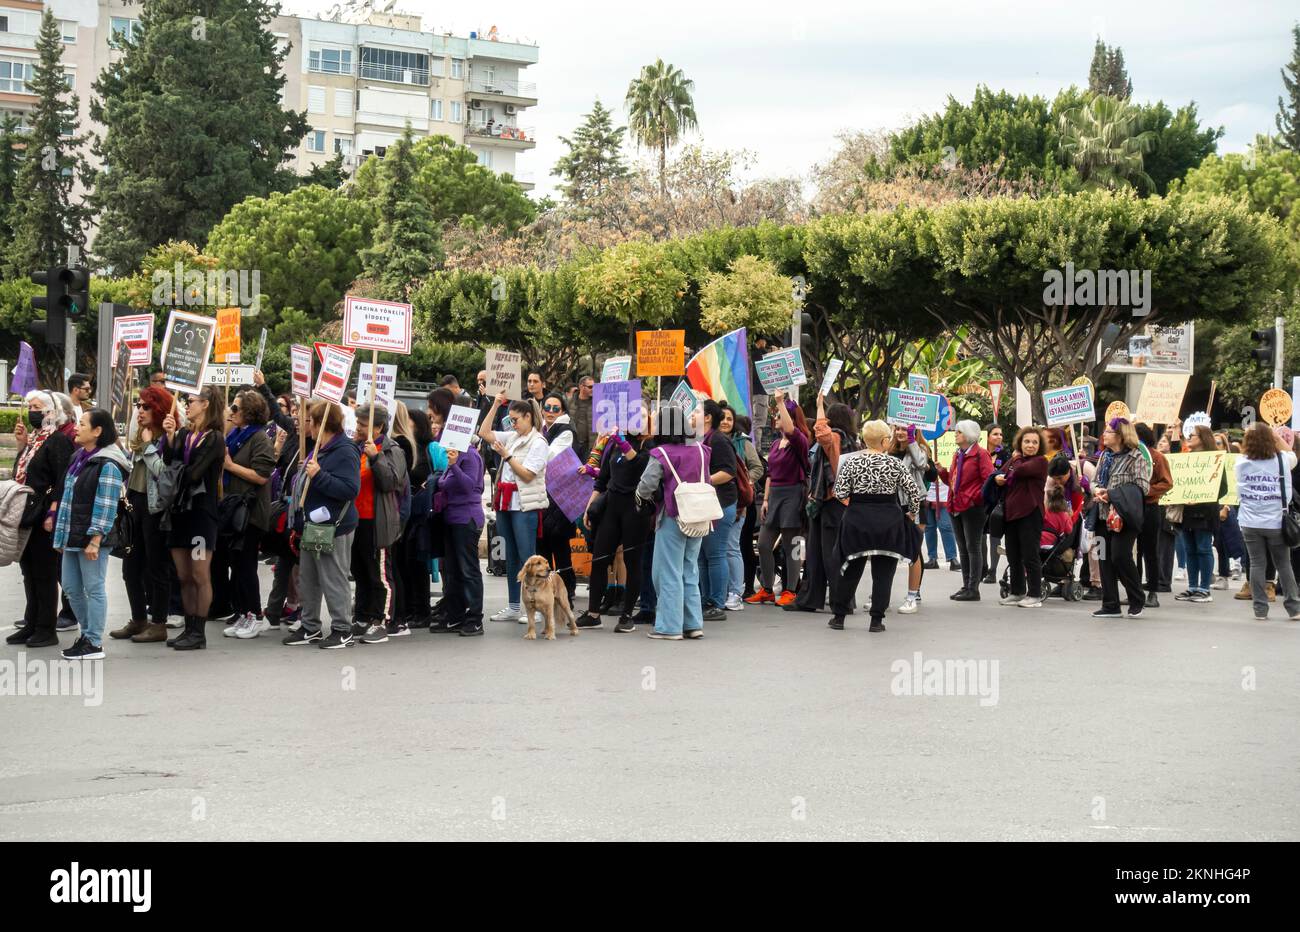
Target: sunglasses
<point x="234" y="409"/>
<point x="552" y="408"/>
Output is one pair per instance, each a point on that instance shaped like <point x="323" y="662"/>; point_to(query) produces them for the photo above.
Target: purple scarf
<point x="79" y="459"/>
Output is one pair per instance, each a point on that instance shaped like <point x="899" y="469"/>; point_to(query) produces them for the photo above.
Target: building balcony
<point x="525" y="180"/>
<point x="511" y="137"/>
<point x="509" y="92"/>
<point x="393" y="75"/>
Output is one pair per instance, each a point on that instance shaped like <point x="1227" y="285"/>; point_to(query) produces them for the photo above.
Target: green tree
<point x="11" y="146"/>
<point x="1107" y="74"/>
<point x="329" y="174"/>
<point x="1288" y="106"/>
<point x="1180" y="143"/>
<point x="1267" y="180"/>
<point x="635" y="284"/>
<point x="594" y="159"/>
<point x="660" y="109"/>
<point x="192" y="124"/>
<point x="46" y="219"/>
<point x="751" y="293"/>
<point x="1105" y="142"/>
<point x="407" y="245"/>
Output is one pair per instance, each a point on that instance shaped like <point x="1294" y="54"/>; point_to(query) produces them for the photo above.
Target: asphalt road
<point x="1181" y="725"/>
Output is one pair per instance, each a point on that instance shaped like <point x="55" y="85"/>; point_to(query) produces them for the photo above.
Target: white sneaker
<point x="1030" y="602"/>
<point x="506" y="614"/>
<point x="1010" y="600"/>
<point x="174" y="621"/>
<point x="1180" y="573"/>
<point x="232" y="631"/>
<point x="734" y="603"/>
<point x="1220" y="583"/>
<point x="538" y="619"/>
<point x="909" y="606"/>
<point x="254" y="627"/>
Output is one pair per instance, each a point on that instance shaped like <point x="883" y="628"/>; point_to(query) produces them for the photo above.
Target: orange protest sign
<point x="660" y="352"/>
<point x="227" y="345"/>
<point x="1275" y="406"/>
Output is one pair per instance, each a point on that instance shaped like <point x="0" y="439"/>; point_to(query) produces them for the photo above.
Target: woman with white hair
<point x="44" y="451"/>
<point x="970" y="469"/>
<point x="879" y="524"/>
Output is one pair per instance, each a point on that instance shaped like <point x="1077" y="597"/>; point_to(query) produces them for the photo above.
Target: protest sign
<point x="682" y="397"/>
<point x="300" y="365"/>
<point x="1069" y="405"/>
<point x="1193" y="421"/>
<point x="335" y="370"/>
<point x="568" y="488"/>
<point x="386" y="376"/>
<point x="832" y="373"/>
<point x="1231" y="497"/>
<point x="1161" y="399"/>
<point x="186" y="347"/>
<point x="379" y="326"/>
<point x="227" y="348"/>
<point x="660" y="352"/>
<point x="945" y="446"/>
<point x="918" y="382"/>
<point x="1196" y="478"/>
<point x="118" y="391"/>
<point x="919" y="408"/>
<point x="136" y="330"/>
<point x="261" y="349"/>
<point x="504" y="373"/>
<point x="782" y="369"/>
<point x="236" y="374"/>
<point x="1275" y="406"/>
<point x="617" y="406"/>
<point x="616" y="369"/>
<point x="1118" y="409"/>
<point x="460" y="428"/>
<point x="1024" y="406"/>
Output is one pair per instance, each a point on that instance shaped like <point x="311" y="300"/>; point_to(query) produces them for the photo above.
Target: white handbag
<point x="697" y="502"/>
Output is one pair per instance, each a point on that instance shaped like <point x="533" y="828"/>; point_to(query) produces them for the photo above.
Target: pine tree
<point x="1106" y="74"/>
<point x="46" y="219"/>
<point x="193" y="124"/>
<point x="407" y="243"/>
<point x="329" y="174"/>
<point x="1288" y="107"/>
<point x="11" y="142"/>
<point x="594" y="159"/>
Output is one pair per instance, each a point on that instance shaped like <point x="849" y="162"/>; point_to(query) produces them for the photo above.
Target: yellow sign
<point x="1275" y="406"/>
<point x="944" y="447"/>
<point x="1117" y="409"/>
<point x="1229" y="470"/>
<point x="660" y="352"/>
<point x="1161" y="400"/>
<point x="227" y="346"/>
<point x="1197" y="478"/>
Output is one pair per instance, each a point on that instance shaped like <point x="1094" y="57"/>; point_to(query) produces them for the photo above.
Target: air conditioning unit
<point x="510" y="108"/>
<point x="476" y="105"/>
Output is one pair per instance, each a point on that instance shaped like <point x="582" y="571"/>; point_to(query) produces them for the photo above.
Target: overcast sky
<point x="782" y="83"/>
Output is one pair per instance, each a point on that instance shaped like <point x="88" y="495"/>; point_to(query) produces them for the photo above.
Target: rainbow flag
<point x="721" y="370"/>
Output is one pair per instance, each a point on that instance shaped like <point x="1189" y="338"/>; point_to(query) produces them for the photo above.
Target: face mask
<point x="36" y="418"/>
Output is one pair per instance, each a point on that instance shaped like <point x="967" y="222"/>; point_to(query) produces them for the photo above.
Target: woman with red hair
<point x="146" y="569"/>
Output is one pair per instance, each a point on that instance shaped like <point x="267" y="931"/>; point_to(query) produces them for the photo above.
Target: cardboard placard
<point x="918" y="382"/>
<point x="617" y="406"/>
<point x="1275" y="407"/>
<point x="1194" y="420"/>
<point x="568" y="488"/>
<point x="832" y="373"/>
<point x="118" y="391"/>
<point x="335" y="371"/>
<point x="782" y="369"/>
<point x="1119" y="409"/>
<point x="505" y="373"/>
<point x="186" y="348"/>
<point x="1196" y="477"/>
<point x="995" y="394"/>
<point x="136" y="330"/>
<point x="616" y="369"/>
<point x="227" y="348"/>
<point x="1069" y="405"/>
<point x="919" y="408"/>
<point x="386" y="375"/>
<point x="300" y="367"/>
<point x="261" y="349"/>
<point x="1161" y="399"/>
<point x="384" y="326"/>
<point x="660" y="352"/>
<point x="944" y="447"/>
<point x="460" y="428"/>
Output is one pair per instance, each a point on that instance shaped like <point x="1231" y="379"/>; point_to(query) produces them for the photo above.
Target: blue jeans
<point x="677" y="579"/>
<point x="519" y="528"/>
<point x="648" y="600"/>
<point x="735" y="565"/>
<point x="934" y="527"/>
<point x="717" y="567"/>
<point x="1180" y="549"/>
<point x="1200" y="559"/>
<point x="83" y="581"/>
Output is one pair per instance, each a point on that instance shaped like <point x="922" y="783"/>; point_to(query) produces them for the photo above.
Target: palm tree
<point x="1105" y="141"/>
<point x="660" y="108"/>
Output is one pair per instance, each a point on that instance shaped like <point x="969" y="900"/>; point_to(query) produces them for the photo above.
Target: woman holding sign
<point x="1023" y="480"/>
<point x="1264" y="485"/>
<point x="192" y="516"/>
<point x="1200" y="521"/>
<point x="782" y="512"/>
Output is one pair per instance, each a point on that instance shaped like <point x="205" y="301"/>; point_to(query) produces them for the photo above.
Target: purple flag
<point x="570" y="489"/>
<point x="24" y="379"/>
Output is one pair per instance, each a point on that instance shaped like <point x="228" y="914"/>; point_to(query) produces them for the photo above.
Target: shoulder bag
<point x="1290" y="521"/>
<point x="318" y="536"/>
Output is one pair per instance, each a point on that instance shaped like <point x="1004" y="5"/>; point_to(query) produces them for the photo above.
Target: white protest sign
<point x="616" y="369"/>
<point x="300" y="365"/>
<point x="233" y="374"/>
<point x="335" y="369"/>
<point x="1069" y="405"/>
<point x="387" y="378"/>
<point x="460" y="428"/>
<point x="137" y="331"/>
<point x="261" y="349"/>
<point x="384" y="326"/>
<point x="1193" y="421"/>
<point x="504" y="373"/>
<point x="832" y="373"/>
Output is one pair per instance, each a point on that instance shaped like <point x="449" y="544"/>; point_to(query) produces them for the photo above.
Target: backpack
<point x="744" y="487"/>
<point x="697" y="502"/>
<point x="14" y="497"/>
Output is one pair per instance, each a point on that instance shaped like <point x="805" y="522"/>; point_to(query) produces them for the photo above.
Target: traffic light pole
<point x="1277" y="353"/>
<point x="69" y="351"/>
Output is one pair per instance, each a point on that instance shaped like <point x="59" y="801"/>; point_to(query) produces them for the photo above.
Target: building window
<point x="487" y="75"/>
<point x="14" y="76"/>
<point x="435" y="111"/>
<point x="342" y="102"/>
<point x="316" y="140"/>
<point x="70" y="79"/>
<point x="330" y="61"/>
<point x="391" y="65"/>
<point x="4" y="23"/>
<point x="484" y="157"/>
<point x="121" y="27"/>
<point x="456" y="107"/>
<point x="437" y="66"/>
<point x="342" y="146"/>
<point x="458" y="68"/>
<point x="69" y="28"/>
<point x="315" y="100"/>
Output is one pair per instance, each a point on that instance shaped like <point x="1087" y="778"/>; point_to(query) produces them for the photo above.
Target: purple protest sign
<point x="570" y="489"/>
<point x="617" y="406"/>
<point x="24" y="379"/>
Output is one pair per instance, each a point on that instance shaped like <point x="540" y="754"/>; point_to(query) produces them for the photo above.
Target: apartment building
<point x="360" y="83"/>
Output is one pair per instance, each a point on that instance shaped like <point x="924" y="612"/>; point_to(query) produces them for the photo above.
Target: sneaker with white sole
<point x="1030" y="601"/>
<point x="506" y="614"/>
<point x="253" y="627"/>
<point x="1180" y="573"/>
<point x="734" y="603"/>
<point x="1220" y="583"/>
<point x="1201" y="597"/>
<point x="231" y="631"/>
<point x="909" y="606"/>
<point x="375" y="634"/>
<point x="1010" y="600"/>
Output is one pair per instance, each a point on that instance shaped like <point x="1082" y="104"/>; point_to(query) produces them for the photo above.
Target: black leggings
<point x="620" y="525"/>
<point x="1025" y="563"/>
<point x="413" y="570"/>
<point x="234" y="573"/>
<point x="748" y="555"/>
<point x="146" y="570"/>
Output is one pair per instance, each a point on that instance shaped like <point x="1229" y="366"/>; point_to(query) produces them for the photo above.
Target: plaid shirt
<point x="103" y="512"/>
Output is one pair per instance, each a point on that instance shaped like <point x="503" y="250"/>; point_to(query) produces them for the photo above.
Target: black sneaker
<point x="1153" y="600"/>
<point x="65" y="623"/>
<point x="836" y="622"/>
<point x="965" y="595"/>
<point x="714" y="614"/>
<point x="1185" y="595"/>
<point x="374" y="634"/>
<point x="336" y="640"/>
<point x="1092" y="594"/>
<point x="359" y="629"/>
<point x="1107" y="613"/>
<point x="300" y="637"/>
<point x="954" y="565"/>
<point x="417" y="622"/>
<point x="398" y="629"/>
<point x="82" y="649"/>
<point x="989" y="579"/>
<point x="877" y="627"/>
<point x="443" y="626"/>
<point x="644" y="617"/>
<point x="587" y="620"/>
<point x="796" y="607"/>
<point x="931" y="564"/>
<point x="470" y="631"/>
<point x="625" y="624"/>
<point x="1132" y="613"/>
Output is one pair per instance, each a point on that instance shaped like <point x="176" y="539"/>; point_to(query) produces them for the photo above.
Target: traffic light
<point x="74" y="292"/>
<point x="1266" y="352"/>
<point x="807" y="345"/>
<point x="50" y="330"/>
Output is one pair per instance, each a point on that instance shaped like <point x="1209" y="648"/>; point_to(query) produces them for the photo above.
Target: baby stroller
<point x="1059" y="577"/>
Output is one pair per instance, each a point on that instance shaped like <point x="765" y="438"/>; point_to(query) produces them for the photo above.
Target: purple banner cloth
<point x="569" y="489"/>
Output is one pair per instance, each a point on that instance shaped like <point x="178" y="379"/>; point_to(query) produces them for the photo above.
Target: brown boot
<point x="152" y="632"/>
<point x="129" y="630"/>
<point x="1244" y="595"/>
<point x="1272" y="592"/>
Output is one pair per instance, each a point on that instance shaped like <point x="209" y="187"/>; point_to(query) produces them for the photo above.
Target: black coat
<point x="45" y="474"/>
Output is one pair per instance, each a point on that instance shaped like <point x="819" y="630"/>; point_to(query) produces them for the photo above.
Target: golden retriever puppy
<point x="544" y="591"/>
